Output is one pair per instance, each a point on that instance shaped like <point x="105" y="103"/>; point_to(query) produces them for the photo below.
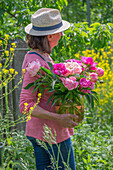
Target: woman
<point x="43" y="34"/>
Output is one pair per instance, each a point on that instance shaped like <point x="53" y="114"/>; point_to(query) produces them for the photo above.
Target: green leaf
<point x="58" y="92"/>
<point x="46" y="71"/>
<point x="88" y="98"/>
<point x="35" y="88"/>
<point x="66" y="96"/>
<point x="63" y="99"/>
<point x="39" y="79"/>
<point x="85" y="160"/>
<point x="50" y="99"/>
<point x="1" y="12"/>
<point x="50" y="65"/>
<point x="55" y="100"/>
<point x="51" y="90"/>
<point x="92" y="101"/>
<point x="66" y="2"/>
<point x="41" y="89"/>
<point x="89" y="160"/>
<point x="96" y="98"/>
<point x="95" y="94"/>
<point x="51" y="68"/>
<point x="39" y="85"/>
<point x="29" y="85"/>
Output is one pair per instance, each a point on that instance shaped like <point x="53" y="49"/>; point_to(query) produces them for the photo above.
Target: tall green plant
<point x="80" y="37"/>
<point x="7" y="75"/>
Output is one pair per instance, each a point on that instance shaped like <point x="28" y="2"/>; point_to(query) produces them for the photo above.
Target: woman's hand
<point x="68" y="120"/>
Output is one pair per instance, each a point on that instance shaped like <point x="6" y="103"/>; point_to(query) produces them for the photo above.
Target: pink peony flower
<point x="91" y="85"/>
<point x="93" y="66"/>
<point x="70" y="83"/>
<point x="99" y="71"/>
<point x="84" y="83"/>
<point x="73" y="60"/>
<point x="79" y="62"/>
<point x="93" y="77"/>
<point x="33" y="68"/>
<point x="60" y="69"/>
<point x="87" y="60"/>
<point x="73" y="68"/>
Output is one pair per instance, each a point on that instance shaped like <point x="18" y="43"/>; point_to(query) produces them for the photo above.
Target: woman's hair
<point x="38" y="42"/>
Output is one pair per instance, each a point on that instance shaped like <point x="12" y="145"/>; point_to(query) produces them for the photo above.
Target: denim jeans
<point x="62" y="154"/>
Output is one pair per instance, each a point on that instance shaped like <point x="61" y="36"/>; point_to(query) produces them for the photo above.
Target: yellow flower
<point x="24" y="70"/>
<point x="6" y="36"/>
<point x="5" y="71"/>
<point x="16" y="72"/>
<point x="109" y="47"/>
<point x="12" y="50"/>
<point x="4" y="84"/>
<point x="98" y="116"/>
<point x="9" y="140"/>
<point x="39" y="95"/>
<point x="28" y="117"/>
<point x="12" y="70"/>
<point x="13" y="45"/>
<point x="109" y="52"/>
<point x="25" y="104"/>
<point x="7" y="53"/>
<point x="31" y="108"/>
<point x="0" y="42"/>
<point x="102" y="49"/>
<point x="0" y="64"/>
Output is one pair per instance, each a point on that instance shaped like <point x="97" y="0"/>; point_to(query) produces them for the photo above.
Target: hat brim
<point x="31" y="31"/>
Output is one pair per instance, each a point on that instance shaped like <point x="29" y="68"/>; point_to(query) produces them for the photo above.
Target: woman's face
<point x="54" y="38"/>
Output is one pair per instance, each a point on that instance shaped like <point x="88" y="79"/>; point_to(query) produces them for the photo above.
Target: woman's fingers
<point x="68" y="120"/>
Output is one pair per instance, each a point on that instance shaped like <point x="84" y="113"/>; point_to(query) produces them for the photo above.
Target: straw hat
<point x="46" y="21"/>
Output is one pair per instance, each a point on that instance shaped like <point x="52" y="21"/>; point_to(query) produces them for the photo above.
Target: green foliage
<point x="18" y="153"/>
<point x="51" y="137"/>
<point x="93" y="140"/>
<point x="80" y="37"/>
<point x="15" y="14"/>
<point x="100" y="11"/>
<point x="93" y="144"/>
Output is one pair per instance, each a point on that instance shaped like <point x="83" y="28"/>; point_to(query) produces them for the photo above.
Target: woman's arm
<point x="66" y="120"/>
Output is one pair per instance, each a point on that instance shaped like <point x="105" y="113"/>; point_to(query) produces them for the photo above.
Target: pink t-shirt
<point x="34" y="127"/>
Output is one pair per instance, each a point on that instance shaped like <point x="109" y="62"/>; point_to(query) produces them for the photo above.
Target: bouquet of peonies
<point x="69" y="82"/>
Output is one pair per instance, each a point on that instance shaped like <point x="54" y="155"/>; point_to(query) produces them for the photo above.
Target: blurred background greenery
<point x="90" y="34"/>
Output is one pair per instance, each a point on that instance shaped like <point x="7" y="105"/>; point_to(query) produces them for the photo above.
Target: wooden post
<point x="20" y="51"/>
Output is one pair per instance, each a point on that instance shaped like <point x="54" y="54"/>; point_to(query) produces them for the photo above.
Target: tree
<point x="16" y="14"/>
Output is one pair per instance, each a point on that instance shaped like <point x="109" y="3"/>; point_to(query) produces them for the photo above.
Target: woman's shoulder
<point x="31" y="57"/>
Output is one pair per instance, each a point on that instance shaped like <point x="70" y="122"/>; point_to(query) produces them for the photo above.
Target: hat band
<point x="47" y="28"/>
